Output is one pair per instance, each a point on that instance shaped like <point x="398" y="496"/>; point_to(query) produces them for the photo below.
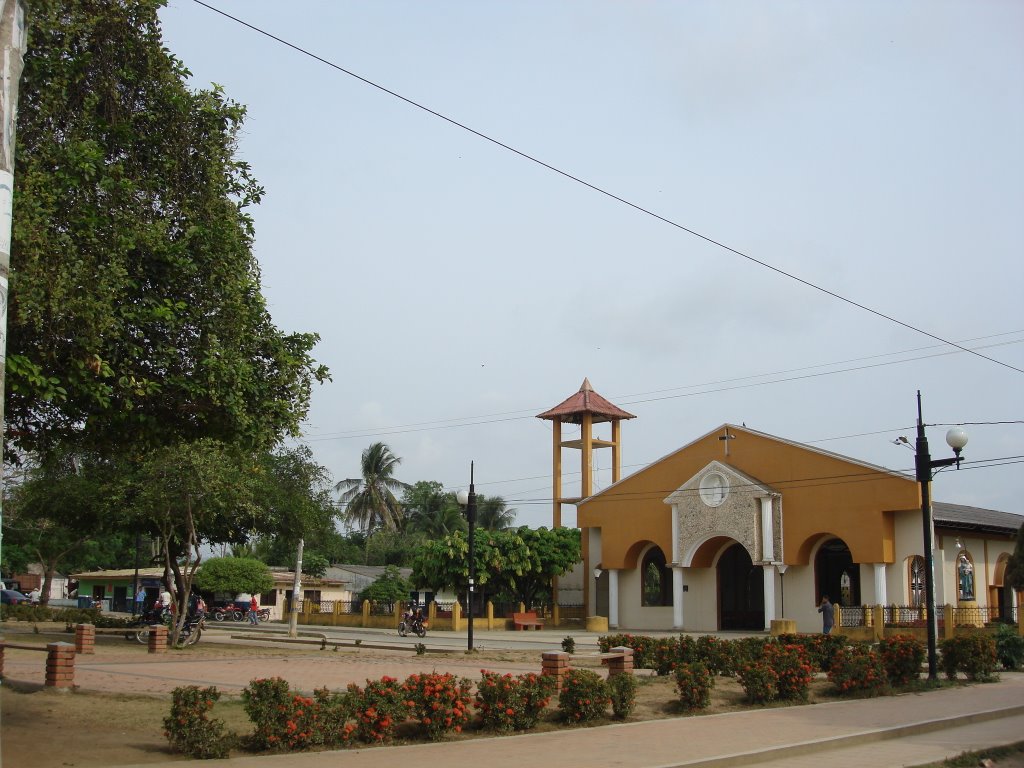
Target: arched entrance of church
<point x="836" y="575"/>
<point x="740" y="591"/>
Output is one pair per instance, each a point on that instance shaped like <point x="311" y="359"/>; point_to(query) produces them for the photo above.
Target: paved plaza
<point x="910" y="729"/>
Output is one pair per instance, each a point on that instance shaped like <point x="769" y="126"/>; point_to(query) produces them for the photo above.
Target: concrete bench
<point x="522" y="621"/>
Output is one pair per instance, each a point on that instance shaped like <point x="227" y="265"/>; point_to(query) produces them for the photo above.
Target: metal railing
<point x="903" y="615"/>
<point x="382" y="608"/>
<point x="852" y="616"/>
<point x="981" y="617"/>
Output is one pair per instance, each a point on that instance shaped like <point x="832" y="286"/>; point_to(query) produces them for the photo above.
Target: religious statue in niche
<point x="846" y="589"/>
<point x="965" y="576"/>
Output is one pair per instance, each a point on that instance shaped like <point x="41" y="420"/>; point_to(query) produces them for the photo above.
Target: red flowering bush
<point x="693" y="684"/>
<point x="439" y="702"/>
<point x="793" y="667"/>
<point x="188" y="727"/>
<point x="267" y="702"/>
<point x="759" y="681"/>
<point x="974" y="655"/>
<point x="584" y="696"/>
<point x="508" y="703"/>
<point x="857" y="669"/>
<point x="378" y="709"/>
<point x="902" y="657"/>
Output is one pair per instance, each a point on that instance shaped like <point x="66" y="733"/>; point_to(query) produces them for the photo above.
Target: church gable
<point x="720" y="503"/>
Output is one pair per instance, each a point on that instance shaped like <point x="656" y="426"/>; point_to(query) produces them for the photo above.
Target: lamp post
<point x="782" y="589"/>
<point x="956" y="438"/>
<point x="468" y="500"/>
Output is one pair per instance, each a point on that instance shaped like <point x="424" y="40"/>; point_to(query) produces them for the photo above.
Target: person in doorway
<point x="254" y="611"/>
<point x="140" y="601"/>
<point x="827" y="612"/>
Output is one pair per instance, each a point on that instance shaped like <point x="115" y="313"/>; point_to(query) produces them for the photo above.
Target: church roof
<point x="585" y="401"/>
<point x="963" y="517"/>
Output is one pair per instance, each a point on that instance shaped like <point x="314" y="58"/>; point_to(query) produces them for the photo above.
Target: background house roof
<point x="965" y="518"/>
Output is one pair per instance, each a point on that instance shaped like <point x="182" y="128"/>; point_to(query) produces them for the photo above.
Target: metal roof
<point x="963" y="517"/>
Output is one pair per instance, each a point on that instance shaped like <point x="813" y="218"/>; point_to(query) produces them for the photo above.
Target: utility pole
<point x="293" y="615"/>
<point x="12" y="49"/>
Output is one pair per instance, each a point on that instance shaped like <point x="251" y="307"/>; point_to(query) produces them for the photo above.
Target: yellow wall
<point x="821" y="494"/>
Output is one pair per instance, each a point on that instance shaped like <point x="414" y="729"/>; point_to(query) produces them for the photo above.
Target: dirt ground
<point x="101" y="730"/>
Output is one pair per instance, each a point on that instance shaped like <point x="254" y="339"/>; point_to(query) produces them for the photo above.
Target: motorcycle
<point x="229" y="612"/>
<point x="413" y="622"/>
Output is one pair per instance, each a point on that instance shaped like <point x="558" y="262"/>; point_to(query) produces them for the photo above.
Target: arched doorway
<point x="836" y="575"/>
<point x="740" y="590"/>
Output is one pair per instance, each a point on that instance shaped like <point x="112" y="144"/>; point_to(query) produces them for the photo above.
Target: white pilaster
<point x="767" y="530"/>
<point x="677" y="598"/>
<point x="881" y="597"/>
<point x="769" y="595"/>
<point x="613" y="598"/>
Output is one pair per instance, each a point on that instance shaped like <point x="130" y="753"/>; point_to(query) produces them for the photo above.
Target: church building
<point x="738" y="527"/>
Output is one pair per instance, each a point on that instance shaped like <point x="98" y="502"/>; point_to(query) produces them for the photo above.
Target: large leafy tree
<point x="371" y="503"/>
<point x="136" y="315"/>
<point x="59" y="514"/>
<point x="1014" y="576"/>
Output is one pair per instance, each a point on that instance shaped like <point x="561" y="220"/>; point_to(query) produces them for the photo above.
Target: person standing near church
<point x="140" y="601"/>
<point x="827" y="612"/>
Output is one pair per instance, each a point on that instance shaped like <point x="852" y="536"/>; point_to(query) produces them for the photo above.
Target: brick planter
<point x="60" y="665"/>
<point x="85" y="638"/>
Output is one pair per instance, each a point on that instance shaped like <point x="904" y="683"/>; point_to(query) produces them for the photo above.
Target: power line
<point x="602" y="191"/>
<point x="503" y="416"/>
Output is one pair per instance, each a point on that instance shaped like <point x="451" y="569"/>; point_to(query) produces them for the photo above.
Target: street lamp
<point x="782" y="588"/>
<point x="956" y="438"/>
<point x="468" y="500"/>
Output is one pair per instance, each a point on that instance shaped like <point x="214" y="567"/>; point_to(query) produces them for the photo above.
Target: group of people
<point x="197" y="605"/>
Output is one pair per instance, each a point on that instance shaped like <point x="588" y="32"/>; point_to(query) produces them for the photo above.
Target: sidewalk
<point x="905" y="730"/>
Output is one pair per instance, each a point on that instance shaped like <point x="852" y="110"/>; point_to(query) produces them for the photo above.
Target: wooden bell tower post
<point x="585" y="408"/>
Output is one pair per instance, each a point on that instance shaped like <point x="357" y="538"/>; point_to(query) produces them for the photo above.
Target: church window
<point x="656" y="579"/>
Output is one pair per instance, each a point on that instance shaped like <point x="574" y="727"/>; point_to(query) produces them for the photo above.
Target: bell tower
<point x="585" y="408"/>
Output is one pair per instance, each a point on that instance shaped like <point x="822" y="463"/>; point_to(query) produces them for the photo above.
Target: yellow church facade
<point x="739" y="527"/>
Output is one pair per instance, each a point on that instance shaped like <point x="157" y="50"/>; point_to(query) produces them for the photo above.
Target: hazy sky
<point x="872" y="148"/>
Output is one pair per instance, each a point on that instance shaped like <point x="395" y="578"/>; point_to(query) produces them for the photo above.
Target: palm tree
<point x="370" y="499"/>
<point x="492" y="514"/>
<point x="432" y="511"/>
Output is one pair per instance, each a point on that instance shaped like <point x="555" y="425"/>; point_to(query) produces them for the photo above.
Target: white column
<point x="769" y="595"/>
<point x="677" y="598"/>
<point x="677" y="574"/>
<point x="767" y="530"/>
<point x="613" y="598"/>
<point x="881" y="597"/>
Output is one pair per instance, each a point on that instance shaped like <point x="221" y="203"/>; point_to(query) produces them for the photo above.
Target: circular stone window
<point x="713" y="488"/>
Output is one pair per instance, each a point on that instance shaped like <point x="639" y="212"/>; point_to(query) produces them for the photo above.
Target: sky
<point x="870" y="149"/>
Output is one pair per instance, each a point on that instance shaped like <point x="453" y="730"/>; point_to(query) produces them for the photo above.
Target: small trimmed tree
<point x="234" y="575"/>
<point x="390" y="587"/>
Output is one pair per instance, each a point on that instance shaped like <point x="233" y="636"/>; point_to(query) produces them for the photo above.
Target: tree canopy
<point x="234" y="575"/>
<point x="136" y="315"/>
<point x="1014" y="576"/>
<point x="389" y="587"/>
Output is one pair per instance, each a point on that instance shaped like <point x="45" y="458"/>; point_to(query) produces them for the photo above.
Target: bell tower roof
<point x="572" y="410"/>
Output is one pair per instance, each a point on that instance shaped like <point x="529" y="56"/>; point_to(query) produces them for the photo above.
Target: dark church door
<point x="740" y="591"/>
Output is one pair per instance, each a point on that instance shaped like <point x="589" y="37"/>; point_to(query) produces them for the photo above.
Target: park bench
<point x="521" y="621"/>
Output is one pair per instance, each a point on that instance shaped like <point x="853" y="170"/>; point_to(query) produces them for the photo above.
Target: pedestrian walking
<point x="827" y="612"/>
<point x="254" y="611"/>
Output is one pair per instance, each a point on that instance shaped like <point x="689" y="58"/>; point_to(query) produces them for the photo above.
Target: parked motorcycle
<point x="229" y="612"/>
<point x="413" y="621"/>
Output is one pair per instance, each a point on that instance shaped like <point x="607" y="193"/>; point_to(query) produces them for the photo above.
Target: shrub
<point x="902" y="657"/>
<point x="439" y="702"/>
<point x="508" y="703"/>
<point x="622" y="690"/>
<point x="693" y="684"/>
<point x="584" y="696"/>
<point x="189" y="729"/>
<point x="568" y="644"/>
<point x="334" y="710"/>
<point x="857" y="670"/>
<point x="793" y="668"/>
<point x="715" y="654"/>
<point x="1009" y="647"/>
<point x="759" y="681"/>
<point x="820" y="648"/>
<point x="378" y="709"/>
<point x="420" y="649"/>
<point x="267" y="701"/>
<point x="974" y="655"/>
